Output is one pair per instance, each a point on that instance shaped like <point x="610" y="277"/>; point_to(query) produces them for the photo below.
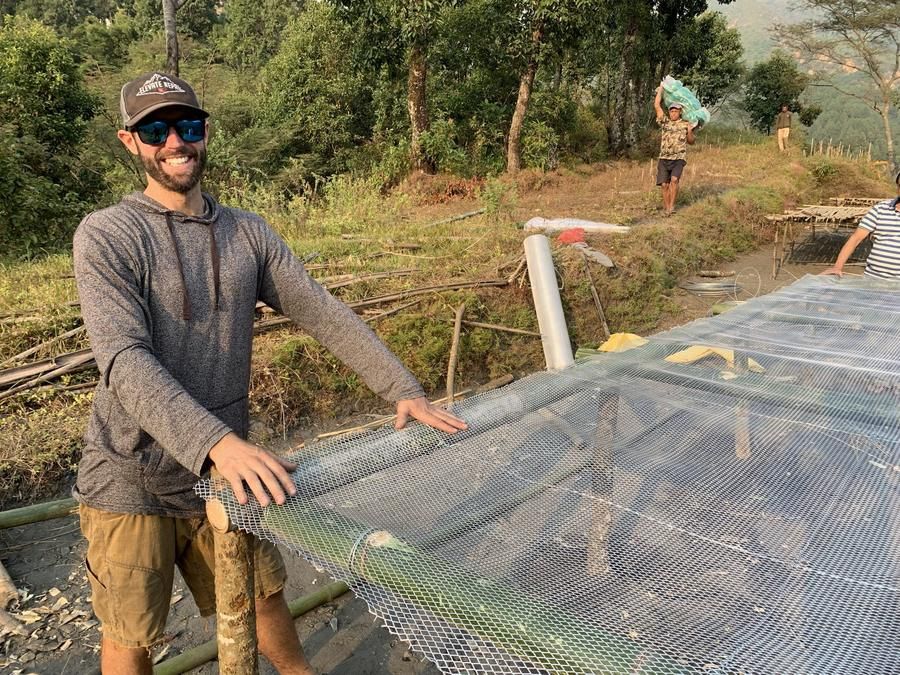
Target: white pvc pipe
<point x="552" y="322"/>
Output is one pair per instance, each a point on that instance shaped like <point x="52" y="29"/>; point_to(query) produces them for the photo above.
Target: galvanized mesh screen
<point x="651" y="511"/>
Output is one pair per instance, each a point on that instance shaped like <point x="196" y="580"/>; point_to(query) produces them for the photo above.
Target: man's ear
<point x="208" y="129"/>
<point x="127" y="138"/>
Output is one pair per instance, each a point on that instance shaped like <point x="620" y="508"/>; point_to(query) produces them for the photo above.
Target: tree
<point x="313" y="92"/>
<point x="547" y="25"/>
<point x="252" y="30"/>
<point x="196" y="18"/>
<point x="770" y="85"/>
<point x="708" y="58"/>
<point x="407" y="26"/>
<point x="852" y="36"/>
<point x="169" y="8"/>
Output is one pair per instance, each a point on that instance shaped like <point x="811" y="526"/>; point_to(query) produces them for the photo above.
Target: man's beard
<point x="180" y="184"/>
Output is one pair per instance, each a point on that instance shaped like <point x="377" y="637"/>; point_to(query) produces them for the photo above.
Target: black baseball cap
<point x="153" y="91"/>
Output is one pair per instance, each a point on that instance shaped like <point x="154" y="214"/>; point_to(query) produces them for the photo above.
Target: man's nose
<point x="173" y="140"/>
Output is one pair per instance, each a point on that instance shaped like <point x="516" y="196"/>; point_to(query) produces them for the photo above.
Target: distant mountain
<point x="753" y="18"/>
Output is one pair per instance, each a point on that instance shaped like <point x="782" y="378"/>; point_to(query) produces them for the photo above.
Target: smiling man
<point x="168" y="281"/>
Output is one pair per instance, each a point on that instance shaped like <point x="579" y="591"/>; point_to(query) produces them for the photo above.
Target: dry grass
<point x="354" y="229"/>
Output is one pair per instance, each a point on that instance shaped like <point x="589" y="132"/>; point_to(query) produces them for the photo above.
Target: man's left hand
<point x="427" y="413"/>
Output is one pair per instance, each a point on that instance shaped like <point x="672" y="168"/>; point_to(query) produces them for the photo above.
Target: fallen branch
<point x="43" y="345"/>
<point x="596" y="296"/>
<point x="348" y="279"/>
<point x="453" y="219"/>
<point x="381" y="315"/>
<point x="402" y="295"/>
<point x="494" y="326"/>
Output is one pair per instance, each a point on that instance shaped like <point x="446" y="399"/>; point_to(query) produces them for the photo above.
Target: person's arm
<point x="690" y="134"/>
<point x="847" y="250"/>
<point x="657" y="105"/>
<point x="116" y="316"/>
<point x="288" y="288"/>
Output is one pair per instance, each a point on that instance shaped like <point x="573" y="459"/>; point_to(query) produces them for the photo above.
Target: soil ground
<point x="341" y="637"/>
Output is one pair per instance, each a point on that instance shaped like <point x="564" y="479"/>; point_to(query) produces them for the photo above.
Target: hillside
<point x="368" y="245"/>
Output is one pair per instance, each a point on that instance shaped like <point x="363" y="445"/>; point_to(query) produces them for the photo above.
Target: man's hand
<point x="835" y="271"/>
<point x="240" y="462"/>
<point x="427" y="413"/>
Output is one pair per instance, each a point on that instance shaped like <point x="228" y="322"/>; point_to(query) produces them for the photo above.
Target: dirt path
<point x="341" y="638"/>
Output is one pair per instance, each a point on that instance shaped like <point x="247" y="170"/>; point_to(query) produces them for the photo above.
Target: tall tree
<point x="860" y="37"/>
<point x="406" y="25"/>
<point x="547" y="25"/>
<point x="770" y="85"/>
<point x="169" y="8"/>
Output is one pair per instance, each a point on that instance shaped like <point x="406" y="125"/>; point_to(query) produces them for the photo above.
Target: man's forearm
<point x="164" y="409"/>
<point x="848" y="248"/>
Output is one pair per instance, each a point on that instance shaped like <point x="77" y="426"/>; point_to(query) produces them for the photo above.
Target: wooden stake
<point x="197" y="656"/>
<point x="8" y="592"/>
<point x="235" y="595"/>
<point x="454" y="351"/>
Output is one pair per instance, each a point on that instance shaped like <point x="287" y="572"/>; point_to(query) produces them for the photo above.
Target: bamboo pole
<point x="602" y="484"/>
<point x="741" y="413"/>
<point x="37" y="513"/>
<point x="454" y="352"/>
<point x="197" y="656"/>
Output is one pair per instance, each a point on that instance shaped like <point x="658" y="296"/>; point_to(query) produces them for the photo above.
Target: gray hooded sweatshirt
<point x="169" y="301"/>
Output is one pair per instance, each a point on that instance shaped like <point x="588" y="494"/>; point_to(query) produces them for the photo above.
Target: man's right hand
<point x="834" y="271"/>
<point x="240" y="462"/>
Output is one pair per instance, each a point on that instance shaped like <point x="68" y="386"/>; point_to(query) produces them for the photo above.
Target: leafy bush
<point x="540" y="146"/>
<point x="46" y="182"/>
<point x="439" y="144"/>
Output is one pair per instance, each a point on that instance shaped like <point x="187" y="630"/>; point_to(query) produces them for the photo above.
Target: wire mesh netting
<point x="723" y="499"/>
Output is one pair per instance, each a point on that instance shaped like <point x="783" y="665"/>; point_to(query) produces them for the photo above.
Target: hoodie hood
<point x="211" y="213"/>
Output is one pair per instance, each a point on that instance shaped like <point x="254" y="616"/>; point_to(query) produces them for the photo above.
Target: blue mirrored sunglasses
<point x="156" y="133"/>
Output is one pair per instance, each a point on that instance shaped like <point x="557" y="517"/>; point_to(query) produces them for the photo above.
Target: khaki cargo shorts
<point x="131" y="562"/>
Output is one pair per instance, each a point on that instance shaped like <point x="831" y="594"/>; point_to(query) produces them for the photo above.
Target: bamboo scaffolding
<point x="521" y="625"/>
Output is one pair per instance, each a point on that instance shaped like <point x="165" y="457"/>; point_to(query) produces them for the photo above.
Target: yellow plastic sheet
<point x="697" y="352"/>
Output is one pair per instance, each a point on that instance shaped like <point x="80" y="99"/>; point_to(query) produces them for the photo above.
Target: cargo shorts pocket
<point x="140" y="604"/>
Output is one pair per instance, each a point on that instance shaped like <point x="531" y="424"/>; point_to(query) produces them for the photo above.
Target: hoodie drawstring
<point x="214" y="254"/>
